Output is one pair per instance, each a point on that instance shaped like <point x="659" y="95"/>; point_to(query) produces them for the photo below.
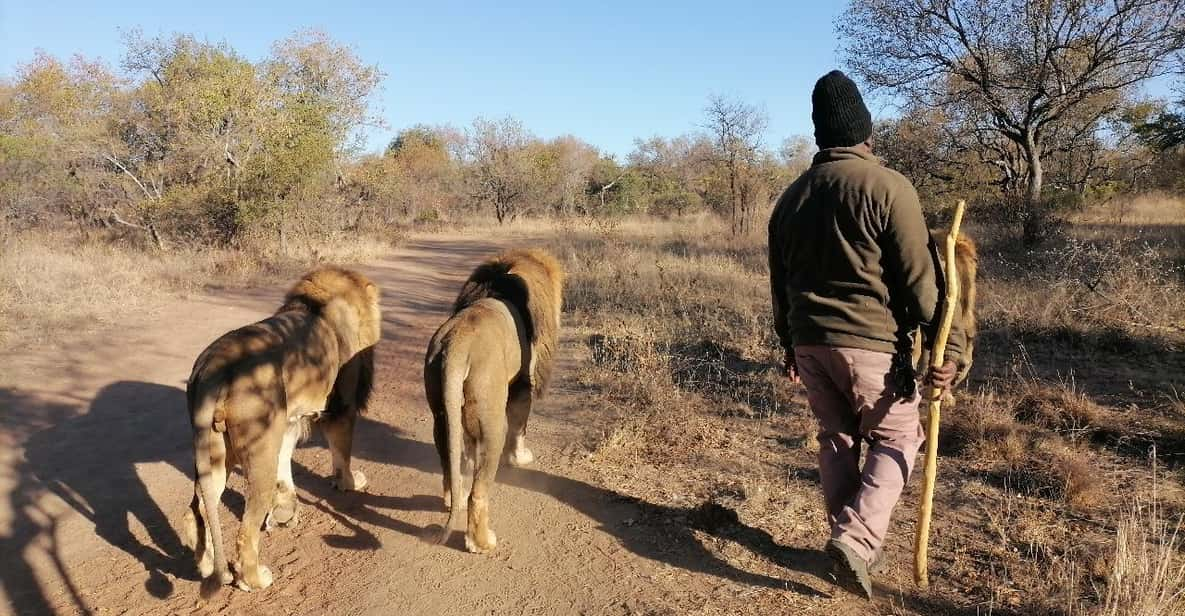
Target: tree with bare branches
<point x="1025" y="68"/>
<point x="736" y="130"/>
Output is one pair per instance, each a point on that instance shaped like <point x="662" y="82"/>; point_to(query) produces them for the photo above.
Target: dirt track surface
<point x="96" y="468"/>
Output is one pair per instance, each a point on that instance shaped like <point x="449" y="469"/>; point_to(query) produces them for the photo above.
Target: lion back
<point x="532" y="281"/>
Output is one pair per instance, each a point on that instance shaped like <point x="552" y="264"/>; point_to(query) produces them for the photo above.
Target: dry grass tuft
<point x="51" y="284"/>
<point x="1058" y="408"/>
<point x="1147" y="573"/>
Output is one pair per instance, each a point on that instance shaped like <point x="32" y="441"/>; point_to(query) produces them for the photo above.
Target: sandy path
<point x="95" y="474"/>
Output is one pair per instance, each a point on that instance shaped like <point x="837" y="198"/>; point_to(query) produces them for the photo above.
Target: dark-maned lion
<point x="967" y="260"/>
<point x="483" y="367"/>
<point x="251" y="395"/>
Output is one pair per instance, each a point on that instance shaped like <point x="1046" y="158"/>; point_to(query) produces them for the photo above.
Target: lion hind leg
<point x="260" y="465"/>
<point x="339" y="434"/>
<point x="480" y="537"/>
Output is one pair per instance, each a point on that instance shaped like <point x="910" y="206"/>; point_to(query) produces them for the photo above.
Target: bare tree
<point x="1025" y="67"/>
<point x="500" y="165"/>
<point x="736" y="130"/>
<point x="797" y="153"/>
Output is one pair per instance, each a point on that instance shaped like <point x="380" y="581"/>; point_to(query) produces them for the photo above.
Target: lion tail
<point x="208" y="452"/>
<point x="455" y="369"/>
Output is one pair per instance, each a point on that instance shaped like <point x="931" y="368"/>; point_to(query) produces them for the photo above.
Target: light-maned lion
<point x="251" y="395"/>
<point x="482" y="369"/>
<point x="967" y="261"/>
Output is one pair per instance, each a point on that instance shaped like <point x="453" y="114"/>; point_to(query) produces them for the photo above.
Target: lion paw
<point x="521" y="457"/>
<point x="282" y="515"/>
<point x="355" y="481"/>
<point x="205" y="566"/>
<point x="262" y="579"/>
<point x="476" y="546"/>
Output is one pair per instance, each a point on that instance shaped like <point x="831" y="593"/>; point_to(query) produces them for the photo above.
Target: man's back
<point x="849" y="254"/>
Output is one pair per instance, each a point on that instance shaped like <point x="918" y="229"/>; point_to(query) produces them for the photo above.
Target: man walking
<point x="853" y="273"/>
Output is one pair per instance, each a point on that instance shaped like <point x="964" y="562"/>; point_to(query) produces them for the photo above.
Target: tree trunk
<point x="1035" y="221"/>
<point x="732" y="194"/>
<point x="1036" y="177"/>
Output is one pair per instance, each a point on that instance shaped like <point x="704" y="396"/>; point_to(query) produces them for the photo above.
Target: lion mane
<point x="532" y="281"/>
<point x="967" y="260"/>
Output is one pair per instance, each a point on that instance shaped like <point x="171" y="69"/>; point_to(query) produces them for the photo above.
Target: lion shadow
<point x="661" y="533"/>
<point x="88" y="460"/>
<point x="667" y="534"/>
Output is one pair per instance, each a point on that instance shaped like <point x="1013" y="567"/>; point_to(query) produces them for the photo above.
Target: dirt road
<point x="95" y="468"/>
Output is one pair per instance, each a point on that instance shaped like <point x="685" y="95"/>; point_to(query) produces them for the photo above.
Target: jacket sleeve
<point x="777" y="283"/>
<point x="908" y="258"/>
<point x="912" y="253"/>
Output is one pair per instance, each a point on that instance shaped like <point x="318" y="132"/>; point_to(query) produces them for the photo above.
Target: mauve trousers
<point x="852" y="395"/>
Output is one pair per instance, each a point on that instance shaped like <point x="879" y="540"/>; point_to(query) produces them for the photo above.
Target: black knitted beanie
<point x="838" y="111"/>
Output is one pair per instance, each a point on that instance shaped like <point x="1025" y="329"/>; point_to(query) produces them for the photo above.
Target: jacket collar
<point x="831" y="155"/>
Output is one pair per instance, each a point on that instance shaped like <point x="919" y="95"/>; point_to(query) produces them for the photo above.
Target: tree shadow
<point x="89" y="461"/>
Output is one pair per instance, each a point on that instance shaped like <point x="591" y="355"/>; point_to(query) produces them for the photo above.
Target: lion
<point x="253" y="393"/>
<point x="967" y="261"/>
<point x="483" y="368"/>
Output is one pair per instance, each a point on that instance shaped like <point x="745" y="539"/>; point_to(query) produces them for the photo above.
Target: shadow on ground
<point x="89" y="461"/>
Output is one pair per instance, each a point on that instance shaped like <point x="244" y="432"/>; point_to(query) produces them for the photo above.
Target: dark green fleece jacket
<point x="851" y="261"/>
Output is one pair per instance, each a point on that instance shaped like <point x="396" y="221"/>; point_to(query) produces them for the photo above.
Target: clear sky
<point x="607" y="72"/>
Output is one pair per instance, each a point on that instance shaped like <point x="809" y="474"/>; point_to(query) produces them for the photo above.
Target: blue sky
<point x="605" y="72"/>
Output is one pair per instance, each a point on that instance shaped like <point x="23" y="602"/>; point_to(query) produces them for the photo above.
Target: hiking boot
<point x="851" y="571"/>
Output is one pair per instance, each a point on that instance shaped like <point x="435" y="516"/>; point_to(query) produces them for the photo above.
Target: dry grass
<point x="56" y="283"/>
<point x="1147" y="575"/>
<point x="1073" y="383"/>
<point x="1136" y="210"/>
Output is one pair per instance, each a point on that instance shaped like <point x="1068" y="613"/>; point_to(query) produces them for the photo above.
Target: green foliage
<point x="195" y="144"/>
<point x="1157" y="125"/>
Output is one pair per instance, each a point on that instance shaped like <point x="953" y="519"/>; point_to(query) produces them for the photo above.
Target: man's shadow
<point x="89" y="461"/>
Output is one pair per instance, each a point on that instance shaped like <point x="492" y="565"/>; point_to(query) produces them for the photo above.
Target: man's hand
<point x="942" y="378"/>
<point x="791" y="366"/>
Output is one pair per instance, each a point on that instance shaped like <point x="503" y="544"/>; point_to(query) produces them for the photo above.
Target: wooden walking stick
<point x="937" y="356"/>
